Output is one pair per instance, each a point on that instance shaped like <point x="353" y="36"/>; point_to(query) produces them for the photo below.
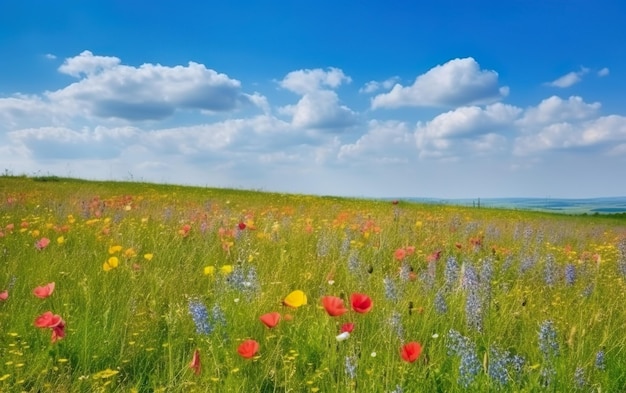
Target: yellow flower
<point x="111" y="263"/>
<point x="71" y="219"/>
<point x="105" y="374"/>
<point x="148" y="257"/>
<point x="226" y="269"/>
<point x="114" y="249"/>
<point x="130" y="252"/>
<point x="60" y="240"/>
<point x="209" y="270"/>
<point x="35" y="233"/>
<point x="295" y="299"/>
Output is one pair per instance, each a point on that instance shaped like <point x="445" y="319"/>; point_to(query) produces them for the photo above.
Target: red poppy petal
<point x="333" y="306"/>
<point x="248" y="348"/>
<point x="270" y="319"/>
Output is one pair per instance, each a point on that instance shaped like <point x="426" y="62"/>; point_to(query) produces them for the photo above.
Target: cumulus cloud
<point x="455" y="83"/>
<point x="569" y="79"/>
<point x="307" y="81"/>
<point x="383" y="142"/>
<point x="557" y="124"/>
<point x="319" y="107"/>
<point x="373" y="86"/>
<point x="469" y="129"/>
<point x="606" y="133"/>
<point x="603" y="72"/>
<point x="555" y="109"/>
<point x="109" y="89"/>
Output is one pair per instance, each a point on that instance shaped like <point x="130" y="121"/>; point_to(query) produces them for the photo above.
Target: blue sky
<point x="450" y="99"/>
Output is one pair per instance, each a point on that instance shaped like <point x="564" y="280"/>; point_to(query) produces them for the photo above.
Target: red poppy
<point x="241" y="225"/>
<point x="195" y="362"/>
<point x="184" y="230"/>
<point x="347" y="327"/>
<point x="58" y="331"/>
<point x="333" y="306"/>
<point x="399" y="254"/>
<point x="361" y="303"/>
<point x="270" y="319"/>
<point x="248" y="349"/>
<point x="42" y="243"/>
<point x="4" y="295"/>
<point x="53" y="321"/>
<point x="410" y="352"/>
<point x="44" y="291"/>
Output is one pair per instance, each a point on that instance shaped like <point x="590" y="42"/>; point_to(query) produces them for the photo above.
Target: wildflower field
<point x="132" y="287"/>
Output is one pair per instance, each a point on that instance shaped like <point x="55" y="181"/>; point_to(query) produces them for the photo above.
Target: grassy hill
<point x="124" y="286"/>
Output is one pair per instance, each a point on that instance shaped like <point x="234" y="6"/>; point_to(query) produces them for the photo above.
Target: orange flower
<point x="44" y="291"/>
<point x="361" y="303"/>
<point x="410" y="352"/>
<point x="195" y="362"/>
<point x="333" y="306"/>
<point x="248" y="349"/>
<point x="270" y="319"/>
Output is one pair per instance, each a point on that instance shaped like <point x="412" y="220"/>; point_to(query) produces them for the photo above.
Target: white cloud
<point x="457" y="82"/>
<point x="466" y="130"/>
<point x="320" y="110"/>
<point x="307" y="81"/>
<point x="110" y="90"/>
<point x="65" y="143"/>
<point x="603" y="72"/>
<point x="604" y="133"/>
<point x="555" y="109"/>
<point x="319" y="107"/>
<point x="373" y="86"/>
<point x="87" y="64"/>
<point x="569" y="79"/>
<point x="383" y="142"/>
<point x="50" y="56"/>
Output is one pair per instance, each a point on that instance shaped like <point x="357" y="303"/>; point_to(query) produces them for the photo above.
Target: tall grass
<point x="499" y="300"/>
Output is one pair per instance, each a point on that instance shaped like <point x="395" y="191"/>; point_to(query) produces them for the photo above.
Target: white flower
<point x="343" y="336"/>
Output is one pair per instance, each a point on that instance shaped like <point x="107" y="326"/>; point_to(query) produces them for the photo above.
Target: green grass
<point x="130" y="329"/>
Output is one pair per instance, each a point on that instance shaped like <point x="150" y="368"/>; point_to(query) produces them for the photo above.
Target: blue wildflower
<point x="498" y="362"/>
<point x="350" y="364"/>
<point x="548" y="344"/>
<point x="391" y="291"/>
<point x="451" y="273"/>
<point x="570" y="274"/>
<point x="550" y="271"/>
<point x="469" y="366"/>
<point x="440" y="303"/>
<point x="396" y="323"/>
<point x="200" y="316"/>
<point x="600" y="363"/>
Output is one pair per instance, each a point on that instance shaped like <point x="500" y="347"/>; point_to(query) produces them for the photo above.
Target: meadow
<point x="134" y="287"/>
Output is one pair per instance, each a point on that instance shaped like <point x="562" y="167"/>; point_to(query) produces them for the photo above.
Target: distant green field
<point x="136" y="287"/>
